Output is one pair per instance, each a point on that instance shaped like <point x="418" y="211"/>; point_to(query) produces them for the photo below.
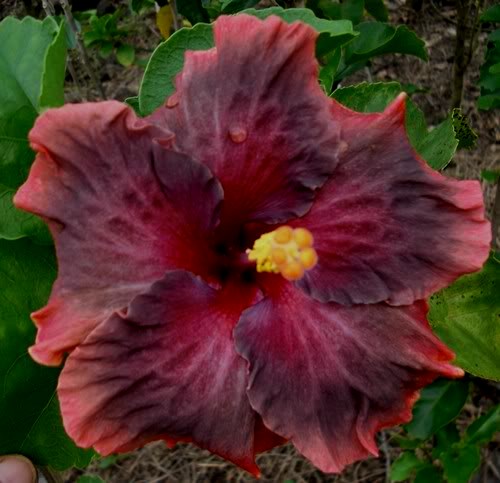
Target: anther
<point x="286" y="251"/>
<point x="293" y="271"/>
<point x="283" y="235"/>
<point x="303" y="237"/>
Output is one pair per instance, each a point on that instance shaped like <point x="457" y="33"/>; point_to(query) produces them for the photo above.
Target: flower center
<point x="286" y="251"/>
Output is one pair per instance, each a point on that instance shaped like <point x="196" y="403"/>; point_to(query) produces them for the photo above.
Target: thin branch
<point x="81" y="48"/>
<point x="385" y="449"/>
<point x="175" y="15"/>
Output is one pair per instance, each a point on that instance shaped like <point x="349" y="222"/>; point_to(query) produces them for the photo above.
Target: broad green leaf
<point x="407" y="443"/>
<point x="234" y="6"/>
<point x="439" y="403"/>
<point x="30" y="422"/>
<point x="491" y="14"/>
<point x="133" y="102"/>
<point x="466" y="317"/>
<point x="378" y="38"/>
<point x="489" y="101"/>
<point x="125" y="54"/>
<point x="108" y="461"/>
<point x="444" y="439"/>
<point x="332" y="33"/>
<point x="138" y="5"/>
<point x="15" y="224"/>
<point x="490" y="175"/>
<point x="328" y="69"/>
<point x="428" y="474"/>
<point x="90" y="479"/>
<point x="377" y="9"/>
<point x="167" y="60"/>
<point x="54" y="69"/>
<point x="484" y="428"/>
<point x="464" y="133"/>
<point x="193" y="10"/>
<point x="32" y="79"/>
<point x="460" y="463"/>
<point x="405" y="465"/>
<point x="106" y="48"/>
<point x="436" y="146"/>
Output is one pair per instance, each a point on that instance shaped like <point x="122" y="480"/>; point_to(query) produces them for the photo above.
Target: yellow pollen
<point x="303" y="237"/>
<point x="283" y="235"/>
<point x="309" y="258"/>
<point x="286" y="251"/>
<point x="279" y="256"/>
<point x="293" y="271"/>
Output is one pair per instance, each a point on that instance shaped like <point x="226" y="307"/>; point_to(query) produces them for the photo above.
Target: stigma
<point x="286" y="251"/>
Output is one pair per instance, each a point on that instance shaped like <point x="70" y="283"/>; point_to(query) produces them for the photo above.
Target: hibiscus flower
<point x="247" y="266"/>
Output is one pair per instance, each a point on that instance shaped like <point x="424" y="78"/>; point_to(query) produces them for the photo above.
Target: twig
<point x="50" y="475"/>
<point x="385" y="449"/>
<point x="495" y="222"/>
<point x="175" y="15"/>
<point x="81" y="48"/>
<point x="48" y="7"/>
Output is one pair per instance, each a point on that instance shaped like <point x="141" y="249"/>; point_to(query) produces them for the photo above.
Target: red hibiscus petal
<point x="166" y="370"/>
<point x="122" y="210"/>
<point x="253" y="111"/>
<point x="328" y="376"/>
<point x="386" y="226"/>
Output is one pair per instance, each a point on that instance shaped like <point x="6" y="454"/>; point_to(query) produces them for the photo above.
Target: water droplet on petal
<point x="343" y="147"/>
<point x="173" y="100"/>
<point x="238" y="134"/>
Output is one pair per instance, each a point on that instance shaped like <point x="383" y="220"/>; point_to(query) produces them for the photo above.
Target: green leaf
<point x="436" y="147"/>
<point x="407" y="443"/>
<point x="54" y="70"/>
<point x="138" y="5"/>
<point x="464" y="133"/>
<point x="133" y="102"/>
<point x="404" y="466"/>
<point x="378" y="38"/>
<point x="234" y="6"/>
<point x="491" y="14"/>
<point x="332" y="33"/>
<point x="106" y="48"/>
<point x="484" y="428"/>
<point x="90" y="479"/>
<point x="489" y="101"/>
<point x="30" y="422"/>
<point x="193" y="11"/>
<point x="125" y="54"/>
<point x="490" y="175"/>
<point x="439" y="403"/>
<point x="32" y="79"/>
<point x="460" y="463"/>
<point x="377" y="9"/>
<point x="328" y="70"/>
<point x="466" y="316"/>
<point x="108" y="461"/>
<point x="167" y="60"/>
<point x="428" y="474"/>
<point x="15" y="224"/>
<point x="444" y="439"/>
